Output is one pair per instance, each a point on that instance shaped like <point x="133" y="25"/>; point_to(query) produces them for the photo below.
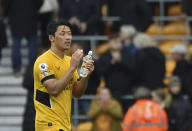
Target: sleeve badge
<point x="43" y="66"/>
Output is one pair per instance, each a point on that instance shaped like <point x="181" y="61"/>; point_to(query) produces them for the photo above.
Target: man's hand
<point x="83" y="27"/>
<point x="81" y="85"/>
<point x="90" y="66"/>
<point x="104" y="100"/>
<point x="73" y="21"/>
<point x="75" y="59"/>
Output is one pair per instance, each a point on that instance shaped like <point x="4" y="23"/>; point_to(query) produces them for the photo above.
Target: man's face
<point x="115" y="44"/>
<point x="177" y="56"/>
<point x="175" y="89"/>
<point x="155" y="97"/>
<point x="63" y="37"/>
<point x="105" y="95"/>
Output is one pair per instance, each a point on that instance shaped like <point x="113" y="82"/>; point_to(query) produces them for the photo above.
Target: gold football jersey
<point x="52" y="113"/>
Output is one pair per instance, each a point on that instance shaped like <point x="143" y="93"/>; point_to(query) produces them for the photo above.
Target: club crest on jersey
<point x="43" y="66"/>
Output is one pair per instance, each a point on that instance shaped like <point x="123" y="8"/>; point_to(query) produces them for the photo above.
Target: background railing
<point x="76" y="116"/>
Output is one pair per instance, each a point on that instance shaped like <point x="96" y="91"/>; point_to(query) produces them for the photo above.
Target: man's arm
<point x="81" y="85"/>
<point x="54" y="86"/>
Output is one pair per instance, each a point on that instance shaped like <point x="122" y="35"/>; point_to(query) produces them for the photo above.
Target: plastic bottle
<point x="84" y="71"/>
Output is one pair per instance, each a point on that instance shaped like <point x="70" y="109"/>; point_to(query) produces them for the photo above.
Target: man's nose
<point x="68" y="36"/>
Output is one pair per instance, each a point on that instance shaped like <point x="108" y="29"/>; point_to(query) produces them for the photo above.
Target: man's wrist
<point x="72" y="69"/>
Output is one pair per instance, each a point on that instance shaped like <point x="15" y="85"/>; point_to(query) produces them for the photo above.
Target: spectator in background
<point x="28" y="83"/>
<point x="22" y="16"/>
<point x="115" y="66"/>
<point x="83" y="15"/>
<point x="127" y="33"/>
<point x="3" y="37"/>
<point x="161" y="97"/>
<point x="133" y="12"/>
<point x="105" y="112"/>
<point x="149" y="63"/>
<point x="179" y="113"/>
<point x="45" y="15"/>
<point x="145" y="115"/>
<point x="183" y="68"/>
<point x="29" y="114"/>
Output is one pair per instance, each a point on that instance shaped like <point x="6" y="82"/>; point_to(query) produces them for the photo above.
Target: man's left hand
<point x="90" y="66"/>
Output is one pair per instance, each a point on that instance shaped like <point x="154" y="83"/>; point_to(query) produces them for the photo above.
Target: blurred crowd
<point x="129" y="63"/>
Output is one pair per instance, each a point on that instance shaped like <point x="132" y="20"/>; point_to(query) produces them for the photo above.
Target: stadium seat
<point x="101" y="85"/>
<point x="101" y="49"/>
<point x="154" y="29"/>
<point x="174" y="10"/>
<point x="175" y="28"/>
<point x="170" y="66"/>
<point x="86" y="126"/>
<point x="167" y="45"/>
<point x="104" y="10"/>
<point x="190" y="49"/>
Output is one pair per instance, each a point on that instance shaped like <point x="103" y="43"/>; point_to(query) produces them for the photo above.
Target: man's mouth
<point x="68" y="43"/>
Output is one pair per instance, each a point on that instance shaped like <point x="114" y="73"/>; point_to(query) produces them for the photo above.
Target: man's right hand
<point x="73" y="21"/>
<point x="75" y="59"/>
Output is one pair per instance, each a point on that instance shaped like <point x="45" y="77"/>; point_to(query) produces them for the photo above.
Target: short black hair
<point x="52" y="26"/>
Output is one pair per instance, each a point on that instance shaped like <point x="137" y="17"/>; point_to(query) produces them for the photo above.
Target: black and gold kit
<point x="52" y="113"/>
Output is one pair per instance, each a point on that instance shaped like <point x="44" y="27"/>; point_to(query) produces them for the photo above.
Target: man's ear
<point x="51" y="38"/>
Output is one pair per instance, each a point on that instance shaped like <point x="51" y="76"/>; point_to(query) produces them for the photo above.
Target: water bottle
<point x="84" y="71"/>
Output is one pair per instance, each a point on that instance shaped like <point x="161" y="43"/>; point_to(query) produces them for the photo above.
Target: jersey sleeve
<point x="44" y="70"/>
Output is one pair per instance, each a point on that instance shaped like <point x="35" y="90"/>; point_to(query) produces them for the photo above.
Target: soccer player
<point x="56" y="79"/>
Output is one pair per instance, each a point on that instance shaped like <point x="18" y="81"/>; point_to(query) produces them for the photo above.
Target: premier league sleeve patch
<point x="45" y="72"/>
<point x="43" y="66"/>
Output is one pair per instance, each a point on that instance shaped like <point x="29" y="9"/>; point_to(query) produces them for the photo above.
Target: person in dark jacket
<point x="179" y="112"/>
<point x="83" y="15"/>
<point x="183" y="68"/>
<point x="149" y="63"/>
<point x="29" y="114"/>
<point x="115" y="66"/>
<point x="28" y="83"/>
<point x="22" y="17"/>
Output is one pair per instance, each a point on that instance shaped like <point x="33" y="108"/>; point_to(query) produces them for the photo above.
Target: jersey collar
<point x="55" y="55"/>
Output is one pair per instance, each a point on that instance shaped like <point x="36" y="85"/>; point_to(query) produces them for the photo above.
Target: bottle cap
<point x="90" y="52"/>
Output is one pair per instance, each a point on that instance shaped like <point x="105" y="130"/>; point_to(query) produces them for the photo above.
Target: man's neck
<point x="58" y="52"/>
